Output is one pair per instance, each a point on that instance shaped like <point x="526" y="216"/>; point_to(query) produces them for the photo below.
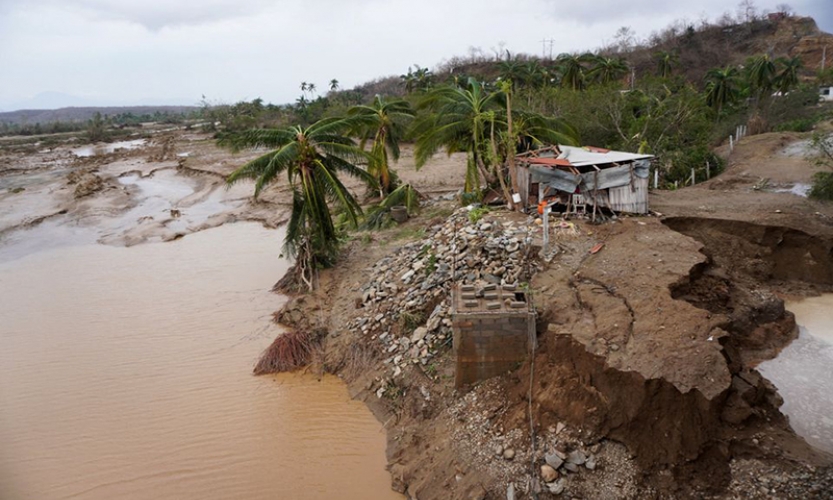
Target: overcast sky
<point x="166" y="51"/>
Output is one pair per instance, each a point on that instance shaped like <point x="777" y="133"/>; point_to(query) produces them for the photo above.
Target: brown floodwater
<point x="802" y="372"/>
<point x="126" y="373"/>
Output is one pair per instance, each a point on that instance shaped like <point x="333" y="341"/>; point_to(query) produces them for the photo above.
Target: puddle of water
<point x="125" y="373"/>
<point x="798" y="189"/>
<point x="802" y="373"/>
<point x="105" y="148"/>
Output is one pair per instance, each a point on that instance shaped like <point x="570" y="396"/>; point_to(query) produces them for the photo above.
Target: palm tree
<point x="721" y="87"/>
<point x="607" y="70"/>
<point x="457" y="121"/>
<point x="762" y="73"/>
<point x="666" y="62"/>
<point x="303" y="86"/>
<point x="469" y="120"/>
<point x="311" y="88"/>
<point x="572" y="70"/>
<point x="312" y="158"/>
<point x="333" y="85"/>
<point x="383" y="123"/>
<point x="534" y="74"/>
<point x="410" y="80"/>
<point x="787" y="78"/>
<point x="424" y="77"/>
<point x="511" y="69"/>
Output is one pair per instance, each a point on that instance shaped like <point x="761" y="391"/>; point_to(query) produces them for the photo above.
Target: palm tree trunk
<point x="510" y="147"/>
<point x="499" y="172"/>
<point x="487" y="176"/>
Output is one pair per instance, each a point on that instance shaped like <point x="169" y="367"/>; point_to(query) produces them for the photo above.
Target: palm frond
<point x="378" y="216"/>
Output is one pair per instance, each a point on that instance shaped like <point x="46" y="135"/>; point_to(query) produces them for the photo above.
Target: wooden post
<point x="595" y="191"/>
<point x="708" y="170"/>
<point x="693" y="181"/>
<point x="731" y="144"/>
<point x="656" y="178"/>
<point x="546" y="227"/>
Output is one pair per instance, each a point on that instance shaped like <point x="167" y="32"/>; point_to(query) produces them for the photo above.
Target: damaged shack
<point x="578" y="177"/>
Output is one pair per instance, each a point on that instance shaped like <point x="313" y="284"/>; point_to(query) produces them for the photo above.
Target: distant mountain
<point x="51" y="100"/>
<point x="71" y="114"/>
<point x="57" y="100"/>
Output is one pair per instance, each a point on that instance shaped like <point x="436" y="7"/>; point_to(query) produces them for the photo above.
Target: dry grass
<point x="290" y="351"/>
<point x="358" y="360"/>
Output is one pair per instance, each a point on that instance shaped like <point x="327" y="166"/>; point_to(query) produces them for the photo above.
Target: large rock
<point x="548" y="474"/>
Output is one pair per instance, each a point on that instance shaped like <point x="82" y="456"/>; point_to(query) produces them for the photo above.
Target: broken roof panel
<point x="582" y="156"/>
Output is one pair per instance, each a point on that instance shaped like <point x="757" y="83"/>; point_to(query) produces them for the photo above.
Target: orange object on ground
<point x="596" y="248"/>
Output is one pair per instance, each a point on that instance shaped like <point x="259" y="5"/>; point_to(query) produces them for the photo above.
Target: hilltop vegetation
<point x="678" y="108"/>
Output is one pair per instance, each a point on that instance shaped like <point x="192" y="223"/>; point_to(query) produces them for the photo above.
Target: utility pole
<point x="544" y="42"/>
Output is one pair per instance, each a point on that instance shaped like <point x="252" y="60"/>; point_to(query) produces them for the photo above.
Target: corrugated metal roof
<point x="583" y="156"/>
<point x="586" y="156"/>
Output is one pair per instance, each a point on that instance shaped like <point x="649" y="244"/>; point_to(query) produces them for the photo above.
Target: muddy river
<point x="126" y="373"/>
<point x="803" y="374"/>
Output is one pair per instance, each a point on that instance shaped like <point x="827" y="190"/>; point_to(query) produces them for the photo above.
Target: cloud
<point x="113" y="50"/>
<point x="154" y="14"/>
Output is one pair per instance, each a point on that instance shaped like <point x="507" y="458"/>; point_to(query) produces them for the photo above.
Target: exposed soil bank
<point x="647" y="354"/>
<point x="765" y="253"/>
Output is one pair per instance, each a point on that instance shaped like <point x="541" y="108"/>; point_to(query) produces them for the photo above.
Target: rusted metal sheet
<point x="630" y="199"/>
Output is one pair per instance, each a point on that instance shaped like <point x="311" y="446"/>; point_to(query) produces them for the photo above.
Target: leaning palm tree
<point x="311" y="157"/>
<point x="607" y="70"/>
<point x="457" y="119"/>
<point x="721" y="87"/>
<point x="383" y="123"/>
<point x="787" y="78"/>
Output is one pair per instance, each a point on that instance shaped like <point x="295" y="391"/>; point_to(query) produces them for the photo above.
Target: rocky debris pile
<point x="406" y="304"/>
<point x="563" y="457"/>
<point x="752" y="478"/>
<point x="559" y="461"/>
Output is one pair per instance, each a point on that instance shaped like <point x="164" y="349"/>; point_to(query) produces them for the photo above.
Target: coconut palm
<point x="383" y="123"/>
<point x="457" y="120"/>
<point x="471" y="120"/>
<point x="787" y="78"/>
<point x="666" y="62"/>
<point x="334" y="85"/>
<point x="607" y="70"/>
<point x="511" y="69"/>
<point x="572" y="70"/>
<point x="534" y="74"/>
<point x="721" y="87"/>
<point x="311" y="157"/>
<point x="762" y="73"/>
